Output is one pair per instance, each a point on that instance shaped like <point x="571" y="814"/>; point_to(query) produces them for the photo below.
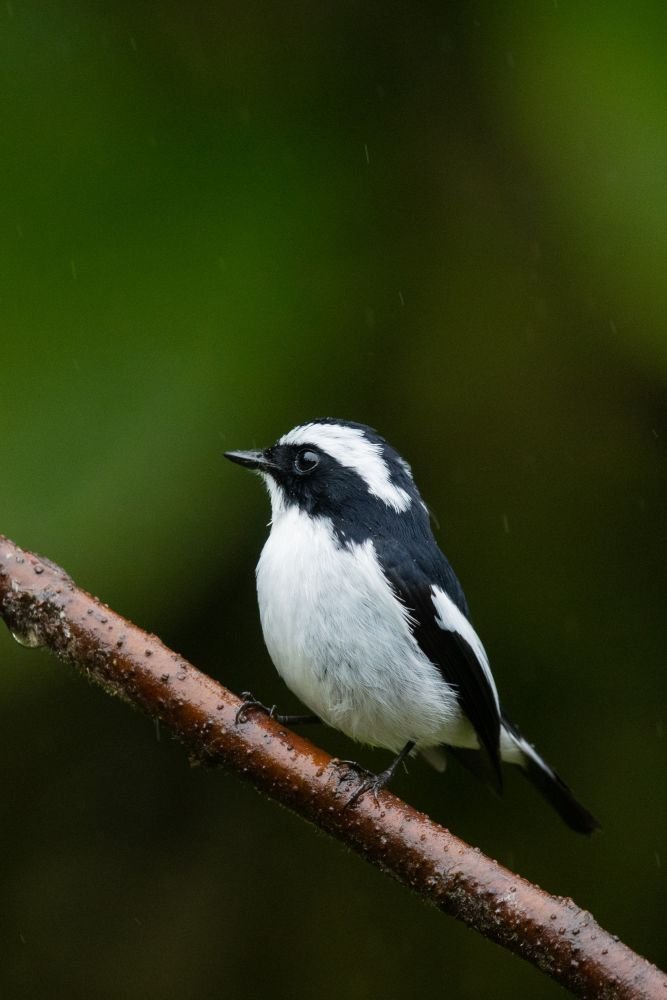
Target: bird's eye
<point x="305" y="461"/>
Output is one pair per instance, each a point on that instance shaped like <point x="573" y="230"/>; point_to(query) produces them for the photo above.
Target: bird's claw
<point x="372" y="782"/>
<point x="250" y="703"/>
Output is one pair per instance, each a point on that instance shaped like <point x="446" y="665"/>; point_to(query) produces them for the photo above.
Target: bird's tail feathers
<point x="549" y="783"/>
<point x="479" y="764"/>
<point x="436" y="757"/>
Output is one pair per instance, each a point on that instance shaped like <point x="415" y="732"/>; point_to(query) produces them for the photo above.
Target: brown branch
<point x="43" y="607"/>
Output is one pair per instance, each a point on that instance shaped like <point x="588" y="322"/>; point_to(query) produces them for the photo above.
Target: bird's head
<point x="332" y="468"/>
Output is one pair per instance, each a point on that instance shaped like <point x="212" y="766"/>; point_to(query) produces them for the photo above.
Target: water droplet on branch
<point x="30" y="638"/>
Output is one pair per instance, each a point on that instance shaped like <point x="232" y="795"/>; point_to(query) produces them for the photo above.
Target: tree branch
<point x="43" y="607"/>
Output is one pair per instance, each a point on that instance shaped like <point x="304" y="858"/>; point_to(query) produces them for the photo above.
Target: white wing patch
<point x="450" y="619"/>
<point x="351" y="447"/>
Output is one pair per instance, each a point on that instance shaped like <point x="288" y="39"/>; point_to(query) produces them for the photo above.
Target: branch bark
<point x="43" y="607"/>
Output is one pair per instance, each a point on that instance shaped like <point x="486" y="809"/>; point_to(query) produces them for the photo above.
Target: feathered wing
<point x="432" y="594"/>
<point x="446" y="637"/>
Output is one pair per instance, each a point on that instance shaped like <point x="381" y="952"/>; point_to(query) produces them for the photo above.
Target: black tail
<point x="551" y="785"/>
<point x="556" y="792"/>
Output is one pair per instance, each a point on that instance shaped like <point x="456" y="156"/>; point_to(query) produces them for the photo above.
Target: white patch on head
<point x="450" y="619"/>
<point x="351" y="447"/>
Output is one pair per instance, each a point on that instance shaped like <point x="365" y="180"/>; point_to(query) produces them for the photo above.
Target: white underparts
<point x="341" y="640"/>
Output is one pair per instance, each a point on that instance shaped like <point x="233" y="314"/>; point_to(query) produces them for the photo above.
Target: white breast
<point x="341" y="641"/>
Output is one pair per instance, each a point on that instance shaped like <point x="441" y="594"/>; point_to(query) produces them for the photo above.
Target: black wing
<point x="449" y="651"/>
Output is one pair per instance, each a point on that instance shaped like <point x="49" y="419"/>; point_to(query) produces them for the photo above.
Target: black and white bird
<point x="365" y="619"/>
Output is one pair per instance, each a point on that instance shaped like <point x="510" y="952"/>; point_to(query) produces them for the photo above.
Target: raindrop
<point x="30" y="638"/>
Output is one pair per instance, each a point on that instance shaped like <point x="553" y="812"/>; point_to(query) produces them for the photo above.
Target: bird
<point x="366" y="621"/>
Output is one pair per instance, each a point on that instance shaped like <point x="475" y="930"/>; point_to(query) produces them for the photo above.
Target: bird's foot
<point x="371" y="782"/>
<point x="250" y="704"/>
<point x="374" y="782"/>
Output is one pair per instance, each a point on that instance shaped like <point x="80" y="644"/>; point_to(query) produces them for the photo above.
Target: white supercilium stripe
<point x="351" y="447"/>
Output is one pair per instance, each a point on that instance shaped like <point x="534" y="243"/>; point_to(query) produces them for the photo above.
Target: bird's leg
<point x="374" y="782"/>
<point x="250" y="703"/>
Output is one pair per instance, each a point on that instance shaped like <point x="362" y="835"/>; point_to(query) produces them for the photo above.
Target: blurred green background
<point x="217" y="221"/>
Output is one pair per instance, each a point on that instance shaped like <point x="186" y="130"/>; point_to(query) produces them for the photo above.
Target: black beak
<point x="250" y="459"/>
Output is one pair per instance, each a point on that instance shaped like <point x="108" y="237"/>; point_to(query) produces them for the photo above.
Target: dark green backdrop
<point x="218" y="220"/>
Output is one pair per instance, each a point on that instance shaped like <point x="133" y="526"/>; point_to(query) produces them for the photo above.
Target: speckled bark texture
<point x="43" y="607"/>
